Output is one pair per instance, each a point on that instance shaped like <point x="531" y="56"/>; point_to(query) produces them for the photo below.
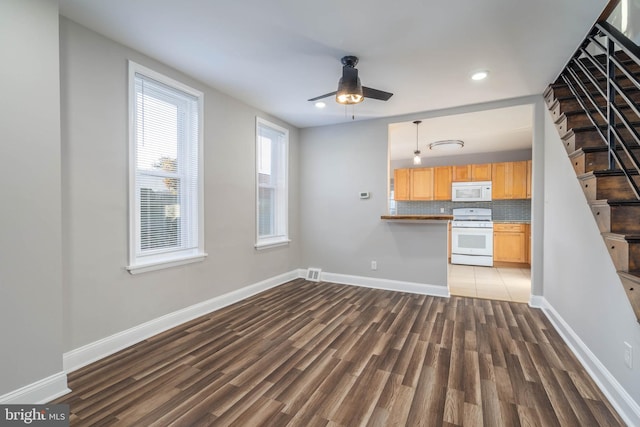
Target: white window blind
<point x="166" y="202"/>
<point x="272" y="153"/>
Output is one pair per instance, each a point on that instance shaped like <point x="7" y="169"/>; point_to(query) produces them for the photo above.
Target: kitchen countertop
<point x="418" y="219"/>
<point x="512" y="221"/>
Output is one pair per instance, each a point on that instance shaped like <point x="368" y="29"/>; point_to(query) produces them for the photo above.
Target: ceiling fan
<point x="350" y="91"/>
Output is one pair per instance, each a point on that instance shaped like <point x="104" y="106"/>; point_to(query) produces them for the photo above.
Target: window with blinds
<point x="165" y="171"/>
<point x="272" y="153"/>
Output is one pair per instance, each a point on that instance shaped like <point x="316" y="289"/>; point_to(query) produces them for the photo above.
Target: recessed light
<point x="479" y="75"/>
<point x="320" y="104"/>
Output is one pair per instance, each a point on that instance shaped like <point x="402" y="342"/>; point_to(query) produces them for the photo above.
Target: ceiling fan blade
<point x="322" y="96"/>
<point x="376" y="94"/>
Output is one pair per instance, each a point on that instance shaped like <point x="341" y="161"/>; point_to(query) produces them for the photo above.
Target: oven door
<point x="472" y="241"/>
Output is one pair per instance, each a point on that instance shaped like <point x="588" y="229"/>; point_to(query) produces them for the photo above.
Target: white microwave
<point x="479" y="191"/>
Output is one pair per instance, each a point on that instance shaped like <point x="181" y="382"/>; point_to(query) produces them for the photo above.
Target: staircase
<point x="594" y="105"/>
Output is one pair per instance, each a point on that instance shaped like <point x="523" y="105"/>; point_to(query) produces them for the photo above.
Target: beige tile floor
<point x="506" y="284"/>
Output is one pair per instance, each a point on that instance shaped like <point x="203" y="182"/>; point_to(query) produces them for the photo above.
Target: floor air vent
<point x="313" y="274"/>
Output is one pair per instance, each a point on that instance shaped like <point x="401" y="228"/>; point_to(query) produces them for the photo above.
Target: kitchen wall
<point x="101" y="297"/>
<point x="501" y="210"/>
<point x="464" y="159"/>
<point x="30" y="261"/>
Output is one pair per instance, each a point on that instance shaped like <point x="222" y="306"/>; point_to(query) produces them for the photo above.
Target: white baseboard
<point x="76" y="359"/>
<point x="536" y="301"/>
<point x="628" y="409"/>
<point x="43" y="391"/>
<point x="386" y="284"/>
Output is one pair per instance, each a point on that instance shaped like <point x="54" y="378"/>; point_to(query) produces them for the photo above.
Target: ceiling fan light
<point x="349" y="93"/>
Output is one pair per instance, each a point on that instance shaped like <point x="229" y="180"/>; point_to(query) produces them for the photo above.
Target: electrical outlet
<point x="374" y="265"/>
<point x="441" y="210"/>
<point x="628" y="355"/>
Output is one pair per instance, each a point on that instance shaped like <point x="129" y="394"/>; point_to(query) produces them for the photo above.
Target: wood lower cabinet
<point x="442" y="176"/>
<point x="510" y="243"/>
<point x="402" y="184"/>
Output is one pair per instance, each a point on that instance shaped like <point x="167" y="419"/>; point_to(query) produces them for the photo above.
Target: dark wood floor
<point x="321" y="354"/>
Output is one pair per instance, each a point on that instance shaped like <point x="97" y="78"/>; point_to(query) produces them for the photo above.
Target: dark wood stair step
<point x="576" y="119"/>
<point x="617" y="216"/>
<point x="624" y="250"/>
<point x="587" y="159"/>
<point x="608" y="185"/>
<point x="577" y="138"/>
<point x="561" y="91"/>
<point x="631" y="283"/>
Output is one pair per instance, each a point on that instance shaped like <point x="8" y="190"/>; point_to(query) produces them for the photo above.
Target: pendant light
<point x="416" y="158"/>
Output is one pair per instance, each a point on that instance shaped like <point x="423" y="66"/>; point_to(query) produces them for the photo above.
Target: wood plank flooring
<point x="322" y="354"/>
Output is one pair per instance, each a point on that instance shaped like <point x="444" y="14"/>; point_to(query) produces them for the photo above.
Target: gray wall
<point x="343" y="234"/>
<point x="101" y="298"/>
<point x="465" y="159"/>
<point x="30" y="263"/>
<point x="580" y="281"/>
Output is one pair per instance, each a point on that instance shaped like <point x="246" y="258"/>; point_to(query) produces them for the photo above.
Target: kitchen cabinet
<point x="461" y="173"/>
<point x="401" y="184"/>
<point x="465" y="173"/>
<point x="527" y="231"/>
<point x="509" y="180"/>
<point x="510" y="242"/>
<point x="421" y="184"/>
<point x="529" y="172"/>
<point x="481" y="172"/>
<point x="442" y="177"/>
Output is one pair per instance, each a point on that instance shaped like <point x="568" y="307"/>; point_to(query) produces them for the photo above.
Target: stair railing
<point x="592" y="76"/>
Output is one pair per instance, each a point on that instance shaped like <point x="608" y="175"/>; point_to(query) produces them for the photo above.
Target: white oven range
<point x="472" y="237"/>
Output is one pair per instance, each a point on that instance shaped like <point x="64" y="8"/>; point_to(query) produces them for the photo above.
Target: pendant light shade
<point x="417" y="160"/>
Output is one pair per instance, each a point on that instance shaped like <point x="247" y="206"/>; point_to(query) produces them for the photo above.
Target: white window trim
<point x="167" y="260"/>
<point x="271" y="242"/>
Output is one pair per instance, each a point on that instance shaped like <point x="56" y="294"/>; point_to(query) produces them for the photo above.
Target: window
<point x="165" y="172"/>
<point x="272" y="153"/>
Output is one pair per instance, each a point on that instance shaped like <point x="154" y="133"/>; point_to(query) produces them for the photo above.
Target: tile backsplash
<point x="502" y="210"/>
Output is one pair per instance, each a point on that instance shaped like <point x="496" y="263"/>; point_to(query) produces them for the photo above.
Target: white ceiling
<point x="276" y="54"/>
<point x="503" y="129"/>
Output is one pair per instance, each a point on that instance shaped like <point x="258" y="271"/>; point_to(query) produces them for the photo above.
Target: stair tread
<point x="632" y="238"/>
<point x="606" y="172"/>
<point x="633" y="275"/>
<point x="622" y="202"/>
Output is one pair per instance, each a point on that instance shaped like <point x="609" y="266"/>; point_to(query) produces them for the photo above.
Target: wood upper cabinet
<point x="529" y="172"/>
<point x="481" y="172"/>
<point x="442" y="176"/>
<point x="422" y="184"/>
<point x="509" y="180"/>
<point x="401" y="184"/>
<point x="464" y="173"/>
<point x="510" y="243"/>
<point x="461" y="173"/>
